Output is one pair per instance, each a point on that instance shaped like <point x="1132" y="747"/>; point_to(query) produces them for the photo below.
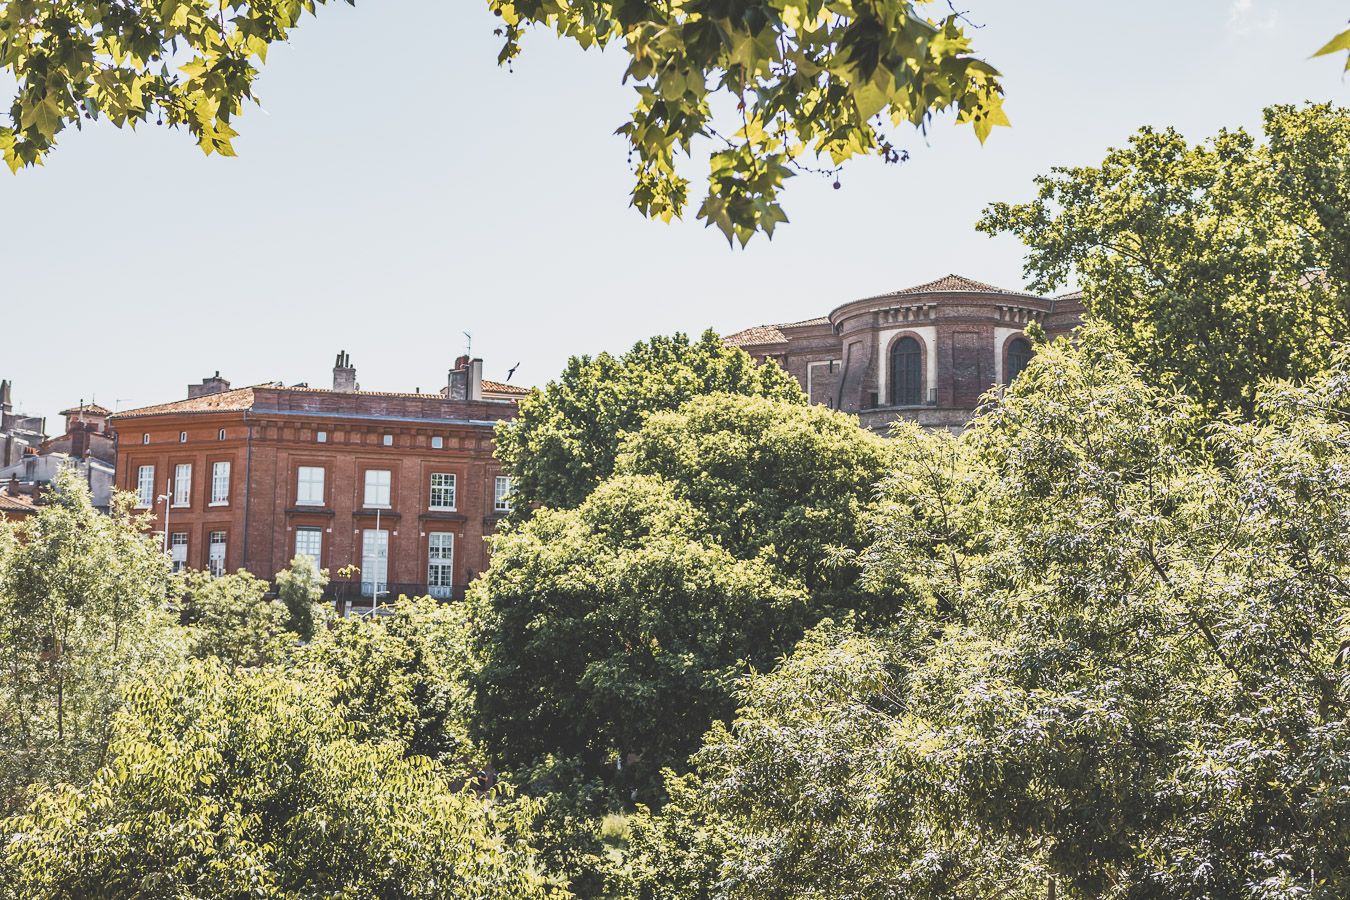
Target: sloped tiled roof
<point x="236" y="400"/>
<point x="19" y="503"/>
<point x="241" y="399"/>
<point x="92" y="409"/>
<point x="501" y="387"/>
<point x="954" y="284"/>
<point x="768" y="334"/>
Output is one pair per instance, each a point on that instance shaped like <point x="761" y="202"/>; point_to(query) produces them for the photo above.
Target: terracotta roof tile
<point x="236" y="400"/>
<point x="759" y="334"/>
<point x="768" y="334"/>
<point x="241" y="399"/>
<point x="501" y="387"/>
<point x="92" y="408"/>
<point x="16" y="503"/>
<point x="953" y="283"/>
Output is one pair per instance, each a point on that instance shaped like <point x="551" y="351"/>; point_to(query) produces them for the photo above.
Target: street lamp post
<point x="167" y="497"/>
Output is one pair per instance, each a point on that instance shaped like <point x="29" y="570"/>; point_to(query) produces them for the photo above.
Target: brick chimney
<point x="466" y="380"/>
<point x="213" y="385"/>
<point x="79" y="439"/>
<point x="344" y="374"/>
<point x="6" y="396"/>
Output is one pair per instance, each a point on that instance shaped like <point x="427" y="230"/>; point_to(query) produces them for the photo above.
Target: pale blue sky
<point x="397" y="189"/>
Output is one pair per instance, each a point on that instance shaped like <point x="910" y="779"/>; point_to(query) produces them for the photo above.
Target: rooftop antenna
<point x="118" y="401"/>
<point x="468" y="345"/>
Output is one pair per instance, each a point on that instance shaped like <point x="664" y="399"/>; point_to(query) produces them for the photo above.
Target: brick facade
<point x="265" y="434"/>
<point x="960" y="330"/>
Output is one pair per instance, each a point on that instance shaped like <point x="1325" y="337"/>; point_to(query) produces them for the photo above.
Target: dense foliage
<point x="1128" y="679"/>
<point x="401" y="678"/>
<point x="613" y="632"/>
<point x="807" y="80"/>
<point x="252" y="785"/>
<point x="300" y="588"/>
<point x="1221" y="264"/>
<point x="786" y="483"/>
<point x="84" y="608"/>
<point x="566" y="437"/>
<point x="232" y="619"/>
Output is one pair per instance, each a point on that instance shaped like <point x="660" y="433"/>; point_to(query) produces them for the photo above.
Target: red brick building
<point x="926" y="353"/>
<point x="403" y="486"/>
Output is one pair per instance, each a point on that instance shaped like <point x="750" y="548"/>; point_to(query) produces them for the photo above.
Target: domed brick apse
<point x="925" y="353"/>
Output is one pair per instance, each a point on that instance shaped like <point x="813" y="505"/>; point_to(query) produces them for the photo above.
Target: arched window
<point x="906" y="372"/>
<point x="1019" y="354"/>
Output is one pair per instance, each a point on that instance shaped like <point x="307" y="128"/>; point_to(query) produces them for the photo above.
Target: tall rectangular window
<point x="501" y="494"/>
<point x="145" y="486"/>
<point x="377" y="489"/>
<point x="442" y="490"/>
<point x="220" y="482"/>
<point x="182" y="484"/>
<point x="178" y="550"/>
<point x="309" y="486"/>
<point x="374" y="562"/>
<point x="440" y="564"/>
<point x="309" y="542"/>
<point x="215" y="553"/>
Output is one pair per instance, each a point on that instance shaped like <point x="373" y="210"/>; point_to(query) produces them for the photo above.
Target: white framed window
<point x="178" y="543"/>
<point x="145" y="438"/>
<point x="374" y="561"/>
<point x="182" y="484"/>
<point x="388" y="440"/>
<point x="321" y="437"/>
<point x="437" y="442"/>
<point x="442" y="490"/>
<point x="501" y="494"/>
<point x="309" y="542"/>
<point x="377" y="489"/>
<point x="220" y="436"/>
<point x="220" y="483"/>
<point x="145" y="487"/>
<point x="215" y="553"/>
<point x="182" y="437"/>
<point x="309" y="486"/>
<point x="440" y="564"/>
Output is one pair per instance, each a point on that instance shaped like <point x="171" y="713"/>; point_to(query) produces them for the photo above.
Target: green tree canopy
<point x="567" y="435"/>
<point x="782" y="481"/>
<point x="1221" y="264"/>
<point x="806" y="79"/>
<point x="402" y="678"/>
<point x="1129" y="679"/>
<point x="300" y="589"/>
<point x="83" y="609"/>
<point x="232" y="619"/>
<point x="614" y="632"/>
<point x="251" y="785"/>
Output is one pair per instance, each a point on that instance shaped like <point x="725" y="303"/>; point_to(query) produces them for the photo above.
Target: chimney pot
<point x="213" y="385"/>
<point x="344" y="374"/>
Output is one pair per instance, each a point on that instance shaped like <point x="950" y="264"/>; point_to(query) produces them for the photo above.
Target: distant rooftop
<point x="92" y="409"/>
<point x="952" y="284"/>
<point x="16" y="502"/>
<point x="241" y="399"/>
<point x="768" y="334"/>
<point x="759" y="335"/>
